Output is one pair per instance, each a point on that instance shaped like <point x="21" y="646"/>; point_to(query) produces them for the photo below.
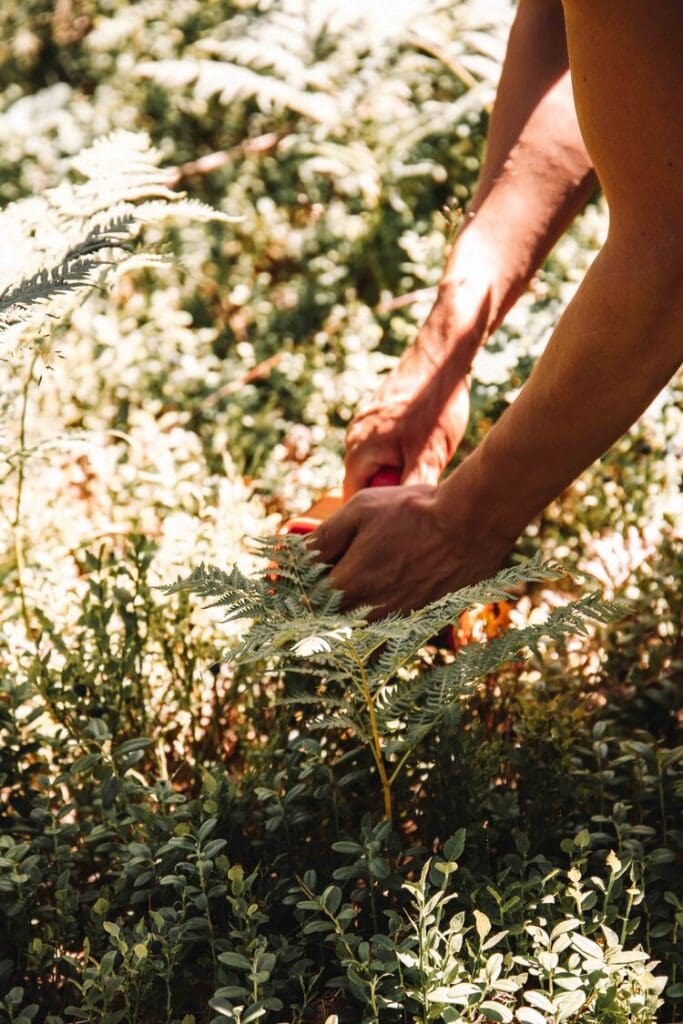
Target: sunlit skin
<point x="615" y="347"/>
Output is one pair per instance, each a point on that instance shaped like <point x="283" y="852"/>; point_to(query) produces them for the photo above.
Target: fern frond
<point x="354" y="665"/>
<point x="206" y="581"/>
<point x="119" y="154"/>
<point x="68" y="276"/>
<point x="302" y="585"/>
<point x="140" y="261"/>
<point x="329" y="676"/>
<point x="70" y="201"/>
<point x="75" y="236"/>
<point x="341" y="722"/>
<point x="320" y="643"/>
<point x="239" y="594"/>
<point x="278" y="56"/>
<point x="304" y="638"/>
<point x="113" y="233"/>
<point x="430" y="620"/>
<point x="230" y="82"/>
<point x="301" y="698"/>
<point x="431" y="696"/>
<point x="180" y="208"/>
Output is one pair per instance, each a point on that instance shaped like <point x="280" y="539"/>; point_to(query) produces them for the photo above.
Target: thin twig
<point x="258" y="372"/>
<point x="399" y="301"/>
<point x="374" y="729"/>
<point x="454" y="66"/>
<point x="214" y="161"/>
<point x="16" y="525"/>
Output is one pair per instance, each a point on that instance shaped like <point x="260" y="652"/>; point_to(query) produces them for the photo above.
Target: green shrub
<point x="184" y="839"/>
<point x="138" y="887"/>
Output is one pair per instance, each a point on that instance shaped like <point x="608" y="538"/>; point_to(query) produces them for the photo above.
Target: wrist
<point x="460" y="320"/>
<point x="480" y="505"/>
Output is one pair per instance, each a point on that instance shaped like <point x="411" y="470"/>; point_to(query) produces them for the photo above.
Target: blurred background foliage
<point x="197" y="403"/>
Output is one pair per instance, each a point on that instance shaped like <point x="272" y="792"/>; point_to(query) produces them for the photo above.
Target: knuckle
<point x="354" y="433"/>
<point x="354" y="503"/>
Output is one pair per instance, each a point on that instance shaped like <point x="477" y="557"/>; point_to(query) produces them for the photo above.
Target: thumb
<point x="332" y="538"/>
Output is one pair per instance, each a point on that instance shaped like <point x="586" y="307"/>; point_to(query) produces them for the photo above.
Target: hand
<point x="418" y="417"/>
<point x="402" y="429"/>
<point x="398" y="548"/>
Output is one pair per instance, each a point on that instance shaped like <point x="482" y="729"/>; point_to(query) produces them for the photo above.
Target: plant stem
<point x="660" y="791"/>
<point x="16" y="523"/>
<point x="627" y="915"/>
<point x="169" y="998"/>
<point x="212" y="936"/>
<point x="376" y="738"/>
<point x="399" y="766"/>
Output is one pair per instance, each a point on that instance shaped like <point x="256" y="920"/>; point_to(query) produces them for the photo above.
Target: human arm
<point x="619" y="341"/>
<point x="398" y="548"/>
<point x="536" y="176"/>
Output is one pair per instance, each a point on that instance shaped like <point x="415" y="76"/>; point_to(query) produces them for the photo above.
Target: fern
<point x="350" y="668"/>
<point x="437" y="693"/>
<point x="68" y="276"/>
<point x="230" y="82"/>
<point x="60" y="245"/>
<point x="286" y="58"/>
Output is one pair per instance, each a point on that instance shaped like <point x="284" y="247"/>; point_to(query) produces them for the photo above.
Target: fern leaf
<point x="432" y="695"/>
<point x="119" y="153"/>
<point x="68" y="276"/>
<point x="428" y="621"/>
<point x="230" y="82"/>
<point x="75" y="236"/>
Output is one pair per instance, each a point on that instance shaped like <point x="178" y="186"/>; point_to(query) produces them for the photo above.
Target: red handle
<point x="386" y="476"/>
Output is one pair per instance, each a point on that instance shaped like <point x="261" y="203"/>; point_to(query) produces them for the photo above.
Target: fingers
<point x="357" y="475"/>
<point x="345" y="577"/>
<point x="365" y="472"/>
<point x="373" y="442"/>
<point x="350" y="575"/>
<point x="421" y="473"/>
<point x="373" y="474"/>
<point x="349" y="542"/>
<point x="333" y="537"/>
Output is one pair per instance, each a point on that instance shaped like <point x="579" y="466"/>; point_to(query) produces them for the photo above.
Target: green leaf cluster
<point x="192" y="815"/>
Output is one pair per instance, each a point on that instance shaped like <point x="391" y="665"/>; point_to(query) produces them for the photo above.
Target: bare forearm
<point x="535" y="178"/>
<point x="617" y="344"/>
<point x="545" y="181"/>
<point x="615" y="347"/>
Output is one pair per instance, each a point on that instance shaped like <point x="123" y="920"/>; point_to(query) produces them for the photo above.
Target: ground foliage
<point x="192" y="812"/>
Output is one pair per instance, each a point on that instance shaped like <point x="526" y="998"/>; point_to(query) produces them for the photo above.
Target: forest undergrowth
<point x="222" y="799"/>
